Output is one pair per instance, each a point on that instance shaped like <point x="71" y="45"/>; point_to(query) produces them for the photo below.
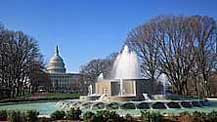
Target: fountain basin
<point x="153" y="104"/>
<point x="123" y="89"/>
<point x="46" y="108"/>
<point x="121" y="98"/>
<point x="89" y="98"/>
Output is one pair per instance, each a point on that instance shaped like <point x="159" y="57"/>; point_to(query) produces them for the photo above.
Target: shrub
<point x="148" y="116"/>
<point x="3" y="115"/>
<point x="110" y="116"/>
<point x="58" y="115"/>
<point x="212" y="116"/>
<point x="185" y="118"/>
<point x="102" y="116"/>
<point x="185" y="113"/>
<point x="115" y="117"/>
<point x="73" y="114"/>
<point x="89" y="116"/>
<point x="199" y="114"/>
<point x="32" y="116"/>
<point x="129" y="118"/>
<point x="16" y="116"/>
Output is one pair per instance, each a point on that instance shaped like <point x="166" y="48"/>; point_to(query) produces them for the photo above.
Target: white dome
<point x="56" y="64"/>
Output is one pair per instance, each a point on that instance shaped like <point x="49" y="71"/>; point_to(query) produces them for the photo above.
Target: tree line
<point x="21" y="64"/>
<point x="181" y="47"/>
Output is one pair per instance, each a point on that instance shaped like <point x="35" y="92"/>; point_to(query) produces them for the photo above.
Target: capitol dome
<point x="56" y="64"/>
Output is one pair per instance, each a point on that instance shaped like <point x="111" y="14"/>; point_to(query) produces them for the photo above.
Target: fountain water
<point x="90" y="90"/>
<point x="164" y="80"/>
<point x="126" y="65"/>
<point x="126" y="82"/>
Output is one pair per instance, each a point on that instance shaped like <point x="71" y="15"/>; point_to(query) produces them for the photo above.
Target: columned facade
<point x="60" y="80"/>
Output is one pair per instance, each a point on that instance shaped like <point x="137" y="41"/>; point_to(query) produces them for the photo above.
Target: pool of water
<point x="46" y="108"/>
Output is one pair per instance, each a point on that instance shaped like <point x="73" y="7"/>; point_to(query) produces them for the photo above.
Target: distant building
<point x="60" y="80"/>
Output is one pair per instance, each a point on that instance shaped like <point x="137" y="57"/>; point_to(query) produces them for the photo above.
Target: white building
<point x="60" y="80"/>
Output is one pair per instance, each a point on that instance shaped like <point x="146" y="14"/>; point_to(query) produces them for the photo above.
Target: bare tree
<point x="39" y="79"/>
<point x="177" y="52"/>
<point x="18" y="53"/>
<point x="142" y="40"/>
<point x="92" y="70"/>
<point x="205" y="36"/>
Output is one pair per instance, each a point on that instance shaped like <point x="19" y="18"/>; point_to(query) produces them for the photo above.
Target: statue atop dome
<point x="57" y="51"/>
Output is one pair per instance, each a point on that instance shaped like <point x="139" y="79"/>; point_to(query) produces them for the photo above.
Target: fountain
<point x="126" y="65"/>
<point x="126" y="89"/>
<point x="126" y="82"/>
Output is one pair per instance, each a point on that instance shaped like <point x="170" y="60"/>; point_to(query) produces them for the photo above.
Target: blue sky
<point x="88" y="29"/>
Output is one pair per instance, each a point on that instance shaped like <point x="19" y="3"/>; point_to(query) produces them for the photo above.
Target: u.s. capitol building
<point x="60" y="80"/>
